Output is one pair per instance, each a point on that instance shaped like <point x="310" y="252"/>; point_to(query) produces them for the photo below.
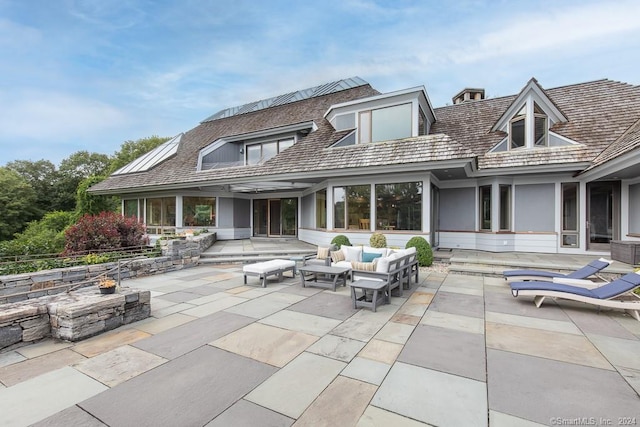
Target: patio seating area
<point x="453" y="350"/>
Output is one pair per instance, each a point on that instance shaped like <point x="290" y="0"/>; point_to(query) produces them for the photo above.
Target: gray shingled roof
<point x="599" y="114"/>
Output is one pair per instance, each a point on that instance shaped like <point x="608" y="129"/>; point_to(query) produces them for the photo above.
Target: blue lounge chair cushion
<point x="588" y="270"/>
<point x="610" y="290"/>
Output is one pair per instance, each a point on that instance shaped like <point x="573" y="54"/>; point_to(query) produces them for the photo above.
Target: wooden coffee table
<point x="323" y="276"/>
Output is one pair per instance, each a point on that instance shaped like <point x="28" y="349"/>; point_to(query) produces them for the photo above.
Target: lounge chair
<point x="593" y="268"/>
<point x="607" y="295"/>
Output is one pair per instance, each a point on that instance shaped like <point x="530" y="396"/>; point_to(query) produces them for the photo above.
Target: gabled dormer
<point x="391" y="116"/>
<point x="528" y="120"/>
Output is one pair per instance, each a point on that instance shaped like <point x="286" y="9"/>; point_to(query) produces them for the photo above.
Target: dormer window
<point x="385" y="124"/>
<point x="263" y="151"/>
<point x="528" y="120"/>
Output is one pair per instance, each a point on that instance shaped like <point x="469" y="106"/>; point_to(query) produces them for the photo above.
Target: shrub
<point x="423" y="250"/>
<point x="378" y="240"/>
<point x="340" y="240"/>
<point x="45" y="236"/>
<point x="106" y="231"/>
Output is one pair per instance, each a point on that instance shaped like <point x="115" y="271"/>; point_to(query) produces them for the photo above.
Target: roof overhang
<point x="626" y="166"/>
<point x="537" y="169"/>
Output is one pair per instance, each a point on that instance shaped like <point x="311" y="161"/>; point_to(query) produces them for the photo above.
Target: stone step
<point x="242" y="259"/>
<point x="274" y="253"/>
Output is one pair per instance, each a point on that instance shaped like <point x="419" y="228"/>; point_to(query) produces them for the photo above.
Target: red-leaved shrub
<point x="105" y="231"/>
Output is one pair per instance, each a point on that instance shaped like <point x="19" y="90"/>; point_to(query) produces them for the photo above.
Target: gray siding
<point x="634" y="209"/>
<point x="225" y="212"/>
<point x="457" y="209"/>
<point x="534" y="207"/>
<point x="241" y="213"/>
<point x="225" y="154"/>
<point x="307" y="220"/>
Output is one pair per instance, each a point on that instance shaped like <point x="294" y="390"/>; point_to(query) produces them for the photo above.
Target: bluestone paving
<point x="119" y="365"/>
<point x="187" y="391"/>
<point x="340" y="404"/>
<point x="335" y="347"/>
<point x="247" y="414"/>
<point x="312" y="374"/>
<point x="453" y="321"/>
<point x="376" y="417"/>
<point x="185" y="338"/>
<point x="620" y="352"/>
<point x="326" y="304"/>
<point x="70" y="417"/>
<point x="451" y="351"/>
<point x="30" y="368"/>
<point x="453" y="303"/>
<point x="265" y="343"/>
<point x="551" y="345"/>
<point x="562" y="352"/>
<point x="367" y="370"/>
<point x="560" y="390"/>
<point x="180" y="296"/>
<point x="433" y="397"/>
<point x="301" y="322"/>
<point x="382" y="351"/>
<point x="45" y="395"/>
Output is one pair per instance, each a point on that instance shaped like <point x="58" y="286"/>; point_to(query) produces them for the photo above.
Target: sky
<point x="91" y="74"/>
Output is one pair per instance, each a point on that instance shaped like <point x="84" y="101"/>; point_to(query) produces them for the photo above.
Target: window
<point x="519" y="125"/>
<point x="263" y="151"/>
<point x="321" y="208"/>
<point x="399" y="206"/>
<point x="161" y="215"/>
<point x="385" y="124"/>
<point x="131" y="208"/>
<point x="517" y="133"/>
<point x="570" y="232"/>
<point x="198" y="211"/>
<point x="485" y="207"/>
<point x="350" y="205"/>
<point x="505" y="207"/>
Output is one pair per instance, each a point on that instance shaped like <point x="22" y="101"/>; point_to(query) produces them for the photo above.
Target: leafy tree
<point x="72" y="171"/>
<point x="45" y="236"/>
<point x="131" y="150"/>
<point x="92" y="204"/>
<point x="42" y="176"/>
<point x="17" y="203"/>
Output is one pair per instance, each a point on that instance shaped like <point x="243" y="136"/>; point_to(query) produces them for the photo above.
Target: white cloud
<point x="55" y="116"/>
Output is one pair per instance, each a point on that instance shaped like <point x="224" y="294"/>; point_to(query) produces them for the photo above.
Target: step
<point x="240" y="260"/>
<point x="275" y="253"/>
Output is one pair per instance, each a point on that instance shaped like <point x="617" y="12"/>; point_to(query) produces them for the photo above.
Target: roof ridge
<point x="289" y="97"/>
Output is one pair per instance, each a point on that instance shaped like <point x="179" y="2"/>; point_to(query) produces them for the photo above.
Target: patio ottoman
<point x="274" y="267"/>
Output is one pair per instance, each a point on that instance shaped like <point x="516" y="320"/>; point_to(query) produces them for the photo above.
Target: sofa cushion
<point x="352" y="253"/>
<point x="363" y="266"/>
<point x="382" y="266"/>
<point x="323" y="253"/>
<point x="381" y="251"/>
<point x="370" y="256"/>
<point x="337" y="256"/>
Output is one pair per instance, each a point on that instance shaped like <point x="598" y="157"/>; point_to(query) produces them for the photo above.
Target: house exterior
<point x="545" y="170"/>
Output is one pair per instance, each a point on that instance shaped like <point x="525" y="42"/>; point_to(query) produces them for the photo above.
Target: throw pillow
<point x="363" y="266"/>
<point x="352" y="253"/>
<point x="337" y="256"/>
<point x="323" y="253"/>
<point x="369" y="257"/>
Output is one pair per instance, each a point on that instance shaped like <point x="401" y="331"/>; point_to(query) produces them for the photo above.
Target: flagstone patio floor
<point x="453" y="351"/>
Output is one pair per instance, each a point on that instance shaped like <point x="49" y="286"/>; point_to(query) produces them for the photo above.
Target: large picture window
<point x="161" y="215"/>
<point x="399" y="206"/>
<point x="352" y="207"/>
<point x="198" y="211"/>
<point x="131" y="208"/>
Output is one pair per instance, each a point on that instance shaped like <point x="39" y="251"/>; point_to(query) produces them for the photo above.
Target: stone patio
<point x="455" y="350"/>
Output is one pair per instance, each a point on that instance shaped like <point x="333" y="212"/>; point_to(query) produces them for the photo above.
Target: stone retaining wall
<point x="177" y="254"/>
<point x="71" y="316"/>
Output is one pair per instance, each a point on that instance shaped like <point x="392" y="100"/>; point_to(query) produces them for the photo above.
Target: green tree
<point x="92" y="204"/>
<point x="131" y="150"/>
<point x="17" y="203"/>
<point x="45" y="236"/>
<point x="72" y="171"/>
<point x="42" y="176"/>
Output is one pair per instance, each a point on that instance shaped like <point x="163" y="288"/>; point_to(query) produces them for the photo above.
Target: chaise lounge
<point x="608" y="295"/>
<point x="591" y="269"/>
